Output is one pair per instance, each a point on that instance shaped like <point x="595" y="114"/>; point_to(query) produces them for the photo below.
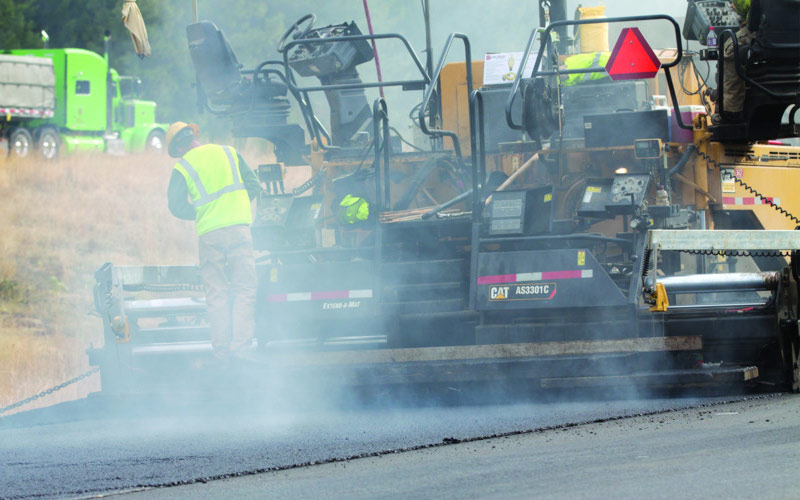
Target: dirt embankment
<point x="61" y="220"/>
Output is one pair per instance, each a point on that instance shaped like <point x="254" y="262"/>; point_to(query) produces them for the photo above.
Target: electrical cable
<point x="402" y="139"/>
<point x="412" y="115"/>
<point x="701" y="80"/>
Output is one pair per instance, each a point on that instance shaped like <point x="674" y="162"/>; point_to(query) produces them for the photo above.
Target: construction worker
<point x="733" y="88"/>
<point x="220" y="186"/>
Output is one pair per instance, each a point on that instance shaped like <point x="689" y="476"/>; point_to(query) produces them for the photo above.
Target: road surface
<point x="96" y="446"/>
<point x="743" y="450"/>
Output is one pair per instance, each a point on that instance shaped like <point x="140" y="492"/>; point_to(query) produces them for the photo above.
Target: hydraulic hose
<point x="685" y="158"/>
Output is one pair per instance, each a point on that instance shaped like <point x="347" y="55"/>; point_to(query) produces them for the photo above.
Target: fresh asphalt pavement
<point x="100" y="446"/>
<point x="746" y="449"/>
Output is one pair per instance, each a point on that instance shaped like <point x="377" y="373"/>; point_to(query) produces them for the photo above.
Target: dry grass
<point x="60" y="221"/>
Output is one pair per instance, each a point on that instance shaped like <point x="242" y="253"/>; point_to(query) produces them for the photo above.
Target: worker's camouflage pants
<point x="229" y="276"/>
<point x="733" y="88"/>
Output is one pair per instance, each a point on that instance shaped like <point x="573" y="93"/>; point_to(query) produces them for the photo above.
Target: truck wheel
<point x="156" y="142"/>
<point x="21" y="143"/>
<point x="48" y="144"/>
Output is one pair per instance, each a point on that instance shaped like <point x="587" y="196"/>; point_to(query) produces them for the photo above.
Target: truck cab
<point x="134" y="119"/>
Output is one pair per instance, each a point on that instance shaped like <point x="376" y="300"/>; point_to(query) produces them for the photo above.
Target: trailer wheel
<point x="20" y="143"/>
<point x="156" y="142"/>
<point x="48" y="144"/>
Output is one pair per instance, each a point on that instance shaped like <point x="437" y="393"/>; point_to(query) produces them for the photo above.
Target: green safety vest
<point x="215" y="187"/>
<point x="353" y="209"/>
<point x="587" y="60"/>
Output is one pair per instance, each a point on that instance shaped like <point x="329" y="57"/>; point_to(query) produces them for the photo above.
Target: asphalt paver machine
<point x="607" y="233"/>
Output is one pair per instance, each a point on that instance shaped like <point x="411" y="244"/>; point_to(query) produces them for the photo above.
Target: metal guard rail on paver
<point x="452" y="135"/>
<point x="478" y="148"/>
<point x="380" y="123"/>
<point x="426" y="100"/>
<point x="546" y="42"/>
<point x="406" y="84"/>
<point x="410" y="84"/>
<point x="315" y="128"/>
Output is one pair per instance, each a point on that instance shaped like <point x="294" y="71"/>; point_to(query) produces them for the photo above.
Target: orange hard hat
<point x="175" y="130"/>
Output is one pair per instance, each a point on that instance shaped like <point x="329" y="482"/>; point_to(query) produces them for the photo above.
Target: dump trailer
<point x="27" y="93"/>
<point x="91" y="108"/>
<point x="528" y="244"/>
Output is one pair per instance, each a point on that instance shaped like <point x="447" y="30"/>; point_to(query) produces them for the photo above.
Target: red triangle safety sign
<point x="632" y="57"/>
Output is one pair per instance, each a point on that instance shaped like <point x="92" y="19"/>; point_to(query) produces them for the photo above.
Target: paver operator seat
<point x="770" y="66"/>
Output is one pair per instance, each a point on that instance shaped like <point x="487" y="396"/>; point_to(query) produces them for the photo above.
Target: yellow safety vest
<point x="215" y="187"/>
<point x="586" y="60"/>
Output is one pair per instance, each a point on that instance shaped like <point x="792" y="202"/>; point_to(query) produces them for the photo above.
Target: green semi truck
<point x="59" y="101"/>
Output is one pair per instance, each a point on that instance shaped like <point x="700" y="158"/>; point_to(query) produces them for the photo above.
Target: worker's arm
<point x="178" y="197"/>
<point x="249" y="178"/>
